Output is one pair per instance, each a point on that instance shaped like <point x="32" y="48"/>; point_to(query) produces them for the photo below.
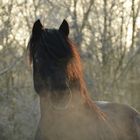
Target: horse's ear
<point x="37" y="28"/>
<point x="64" y="28"/>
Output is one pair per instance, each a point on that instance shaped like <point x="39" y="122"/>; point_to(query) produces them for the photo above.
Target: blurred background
<point x="107" y="33"/>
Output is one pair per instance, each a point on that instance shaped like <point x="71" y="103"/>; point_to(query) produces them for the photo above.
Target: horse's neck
<point x="71" y="99"/>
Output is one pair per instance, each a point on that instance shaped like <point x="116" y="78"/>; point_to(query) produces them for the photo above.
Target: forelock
<point x="55" y="43"/>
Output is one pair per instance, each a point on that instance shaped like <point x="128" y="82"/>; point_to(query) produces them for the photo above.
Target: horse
<point x="67" y="110"/>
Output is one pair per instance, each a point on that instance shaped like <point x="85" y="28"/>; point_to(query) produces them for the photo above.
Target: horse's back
<point x="137" y="123"/>
<point x="123" y="119"/>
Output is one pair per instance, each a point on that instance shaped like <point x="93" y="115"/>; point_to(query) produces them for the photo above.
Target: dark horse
<point x="67" y="111"/>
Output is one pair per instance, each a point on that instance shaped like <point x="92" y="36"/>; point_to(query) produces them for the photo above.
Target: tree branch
<point x="8" y="68"/>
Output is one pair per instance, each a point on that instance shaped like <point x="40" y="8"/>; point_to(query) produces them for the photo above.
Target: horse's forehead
<point x="56" y="39"/>
<point x="53" y="36"/>
<point x="52" y="32"/>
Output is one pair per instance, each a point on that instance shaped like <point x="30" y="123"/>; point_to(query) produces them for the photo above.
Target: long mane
<point x="75" y="71"/>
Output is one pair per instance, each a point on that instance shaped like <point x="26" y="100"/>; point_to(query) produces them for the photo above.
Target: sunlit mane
<point x="75" y="72"/>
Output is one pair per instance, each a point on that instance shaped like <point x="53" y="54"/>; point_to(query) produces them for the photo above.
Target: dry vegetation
<point x="108" y="35"/>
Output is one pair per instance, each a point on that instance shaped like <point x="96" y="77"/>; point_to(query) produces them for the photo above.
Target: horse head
<point x="53" y="57"/>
